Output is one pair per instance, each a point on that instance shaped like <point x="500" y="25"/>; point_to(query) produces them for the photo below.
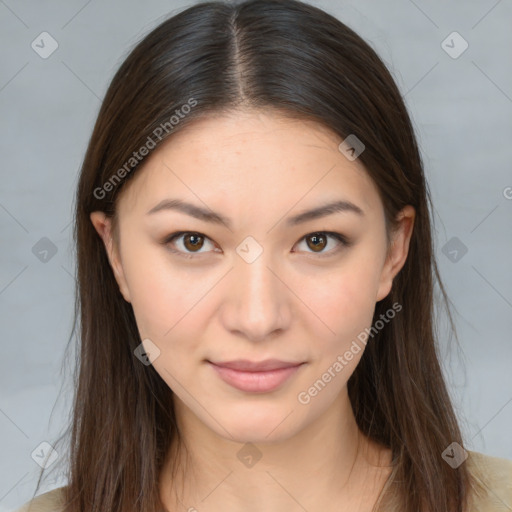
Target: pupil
<point x="196" y="243"/>
<point x="315" y="239"/>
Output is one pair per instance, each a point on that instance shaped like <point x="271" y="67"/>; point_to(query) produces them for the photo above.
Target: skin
<point x="290" y="303"/>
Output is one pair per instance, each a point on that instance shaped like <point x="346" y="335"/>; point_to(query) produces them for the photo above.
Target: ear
<point x="398" y="250"/>
<point x="103" y="226"/>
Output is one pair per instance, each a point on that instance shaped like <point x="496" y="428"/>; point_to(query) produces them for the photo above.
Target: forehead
<point x="251" y="159"/>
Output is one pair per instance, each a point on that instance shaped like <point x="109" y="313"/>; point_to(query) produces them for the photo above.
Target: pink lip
<point x="255" y="377"/>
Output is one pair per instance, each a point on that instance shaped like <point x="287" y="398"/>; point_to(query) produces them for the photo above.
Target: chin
<point x="258" y="425"/>
<point x="257" y="436"/>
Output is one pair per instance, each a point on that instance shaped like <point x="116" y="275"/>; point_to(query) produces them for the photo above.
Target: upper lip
<point x="255" y="366"/>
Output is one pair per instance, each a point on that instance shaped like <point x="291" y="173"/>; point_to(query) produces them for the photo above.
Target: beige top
<point x="495" y="474"/>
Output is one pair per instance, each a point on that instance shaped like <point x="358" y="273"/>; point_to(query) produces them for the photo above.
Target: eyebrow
<point x="208" y="215"/>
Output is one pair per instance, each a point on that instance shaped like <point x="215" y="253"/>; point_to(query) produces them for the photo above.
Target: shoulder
<point x="51" y="501"/>
<point x="493" y="477"/>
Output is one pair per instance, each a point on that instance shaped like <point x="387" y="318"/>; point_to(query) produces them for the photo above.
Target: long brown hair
<point x="298" y="60"/>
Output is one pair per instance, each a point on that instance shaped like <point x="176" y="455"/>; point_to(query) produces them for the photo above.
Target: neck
<point x="329" y="465"/>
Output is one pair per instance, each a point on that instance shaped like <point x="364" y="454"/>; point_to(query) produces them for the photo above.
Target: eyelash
<point x="345" y="242"/>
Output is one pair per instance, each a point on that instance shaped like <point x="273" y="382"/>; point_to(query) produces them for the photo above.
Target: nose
<point x="257" y="301"/>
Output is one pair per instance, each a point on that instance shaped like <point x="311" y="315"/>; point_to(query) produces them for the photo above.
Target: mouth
<point x="256" y="377"/>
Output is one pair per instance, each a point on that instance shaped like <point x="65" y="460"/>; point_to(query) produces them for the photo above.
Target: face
<point x="248" y="277"/>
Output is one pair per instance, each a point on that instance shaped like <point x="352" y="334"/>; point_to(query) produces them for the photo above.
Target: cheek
<point x="163" y="296"/>
<point x="344" y="299"/>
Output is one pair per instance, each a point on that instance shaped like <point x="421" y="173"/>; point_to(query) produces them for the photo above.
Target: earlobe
<point x="103" y="226"/>
<point x="398" y="251"/>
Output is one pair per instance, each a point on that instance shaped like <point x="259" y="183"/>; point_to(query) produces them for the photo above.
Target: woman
<point x="255" y="270"/>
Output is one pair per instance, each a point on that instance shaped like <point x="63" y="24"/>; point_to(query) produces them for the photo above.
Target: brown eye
<point x="188" y="243"/>
<point x="193" y="241"/>
<point x="318" y="241"/>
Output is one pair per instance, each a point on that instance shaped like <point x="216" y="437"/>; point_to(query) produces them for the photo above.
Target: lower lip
<point x="255" y="382"/>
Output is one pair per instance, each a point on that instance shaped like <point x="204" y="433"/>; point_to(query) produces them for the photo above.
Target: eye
<point x="319" y="240"/>
<point x="191" y="242"/>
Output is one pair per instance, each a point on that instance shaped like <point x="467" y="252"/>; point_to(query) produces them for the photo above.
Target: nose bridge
<point x="255" y="282"/>
<point x="256" y="299"/>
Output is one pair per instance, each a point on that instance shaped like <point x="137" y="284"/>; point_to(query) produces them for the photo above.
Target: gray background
<point x="461" y="108"/>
